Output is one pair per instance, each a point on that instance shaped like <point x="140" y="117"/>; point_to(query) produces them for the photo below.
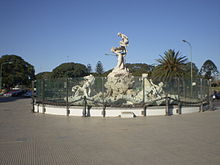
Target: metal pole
<point x="179" y="100"/>
<point x="145" y="107"/>
<point x="85" y="106"/>
<point x="43" y="95"/>
<point x="167" y="106"/>
<point x="33" y="99"/>
<point x="102" y="90"/>
<point x="145" y="111"/>
<point x="191" y="74"/>
<point x="1" y="76"/>
<point x="104" y="106"/>
<point x="191" y="69"/>
<point x="67" y="98"/>
<point x="143" y="81"/>
<point x="210" y="98"/>
<point x="209" y="91"/>
<point x="184" y="90"/>
<point x="201" y="91"/>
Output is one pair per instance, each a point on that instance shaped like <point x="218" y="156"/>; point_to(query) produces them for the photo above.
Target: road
<point x="28" y="138"/>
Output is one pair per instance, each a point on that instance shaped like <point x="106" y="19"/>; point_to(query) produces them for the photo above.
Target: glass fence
<point x="138" y="91"/>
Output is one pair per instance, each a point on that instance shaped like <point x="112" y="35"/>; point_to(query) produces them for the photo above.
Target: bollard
<point x="33" y="104"/>
<point x="179" y="108"/>
<point x="167" y="106"/>
<point x="67" y="98"/>
<point x="33" y="100"/>
<point x="88" y="111"/>
<point x="85" y="106"/>
<point x="43" y="95"/>
<point x="145" y="111"/>
<point x="103" y="111"/>
<point x="201" y="108"/>
<point x="211" y="104"/>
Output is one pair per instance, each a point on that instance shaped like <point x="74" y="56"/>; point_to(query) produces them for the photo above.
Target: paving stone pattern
<point x="28" y="138"/>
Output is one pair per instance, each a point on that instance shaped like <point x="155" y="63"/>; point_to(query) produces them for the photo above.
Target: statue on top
<point x="121" y="51"/>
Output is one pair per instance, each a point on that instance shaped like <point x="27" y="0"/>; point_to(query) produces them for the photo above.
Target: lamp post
<point x="1" y="72"/>
<point x="191" y="74"/>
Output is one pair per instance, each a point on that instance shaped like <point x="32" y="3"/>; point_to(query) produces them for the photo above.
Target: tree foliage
<point x="19" y="72"/>
<point x="99" y="68"/>
<point x="171" y="65"/>
<point x="195" y="70"/>
<point x="208" y="69"/>
<point x="138" y="69"/>
<point x="67" y="70"/>
<point x="89" y="68"/>
<point x="44" y="75"/>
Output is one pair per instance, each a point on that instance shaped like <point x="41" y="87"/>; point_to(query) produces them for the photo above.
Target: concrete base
<point x="55" y="110"/>
<point x="155" y="112"/>
<point x="186" y="110"/>
<point x="127" y="115"/>
<point x="111" y="111"/>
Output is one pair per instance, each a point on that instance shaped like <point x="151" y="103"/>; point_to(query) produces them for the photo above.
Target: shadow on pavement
<point x="216" y="104"/>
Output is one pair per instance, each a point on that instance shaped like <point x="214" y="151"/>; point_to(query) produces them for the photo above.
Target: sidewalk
<point x="38" y="139"/>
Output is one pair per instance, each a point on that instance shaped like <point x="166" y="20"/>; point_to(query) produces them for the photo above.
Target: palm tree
<point x="170" y="66"/>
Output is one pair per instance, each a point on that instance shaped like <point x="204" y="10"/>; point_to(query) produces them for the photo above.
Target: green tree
<point x="195" y="70"/>
<point x="171" y="65"/>
<point x="19" y="72"/>
<point x="208" y="69"/>
<point x="44" y="75"/>
<point x="138" y="69"/>
<point x="99" y="68"/>
<point x="69" y="70"/>
<point x="89" y="68"/>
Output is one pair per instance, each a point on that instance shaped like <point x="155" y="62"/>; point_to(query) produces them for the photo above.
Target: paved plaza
<point x="28" y="138"/>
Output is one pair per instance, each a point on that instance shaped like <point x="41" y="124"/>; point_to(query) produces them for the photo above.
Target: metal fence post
<point x="145" y="111"/>
<point x="179" y="101"/>
<point x="201" y="92"/>
<point x="179" y="108"/>
<point x="103" y="111"/>
<point x="143" y="86"/>
<point x="167" y="106"/>
<point x="43" y="95"/>
<point x="184" y="89"/>
<point x="85" y="106"/>
<point x="209" y="91"/>
<point x="32" y="91"/>
<point x="104" y="106"/>
<point x="201" y="107"/>
<point x="67" y="98"/>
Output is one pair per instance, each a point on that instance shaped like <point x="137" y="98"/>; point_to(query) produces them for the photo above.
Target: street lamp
<point x="190" y="63"/>
<point x="1" y="72"/>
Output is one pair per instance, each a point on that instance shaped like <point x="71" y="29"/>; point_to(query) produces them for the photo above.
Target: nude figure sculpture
<point x="121" y="51"/>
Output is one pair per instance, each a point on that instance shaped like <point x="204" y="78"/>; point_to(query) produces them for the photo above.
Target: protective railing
<point x="141" y="92"/>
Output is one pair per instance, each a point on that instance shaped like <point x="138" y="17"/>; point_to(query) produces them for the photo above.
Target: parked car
<point x="27" y="94"/>
<point x="2" y="92"/>
<point x="14" y="93"/>
<point x="216" y="95"/>
<point x="17" y="93"/>
<point x="9" y="94"/>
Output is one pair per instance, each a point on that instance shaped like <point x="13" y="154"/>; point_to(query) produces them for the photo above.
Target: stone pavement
<point x="37" y="139"/>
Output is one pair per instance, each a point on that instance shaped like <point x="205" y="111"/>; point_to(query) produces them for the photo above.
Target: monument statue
<point x="120" y="87"/>
<point x="121" y="51"/>
<point x="85" y="88"/>
<point x="120" y="80"/>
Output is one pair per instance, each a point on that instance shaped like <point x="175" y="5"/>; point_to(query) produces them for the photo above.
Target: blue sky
<point x="47" y="33"/>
